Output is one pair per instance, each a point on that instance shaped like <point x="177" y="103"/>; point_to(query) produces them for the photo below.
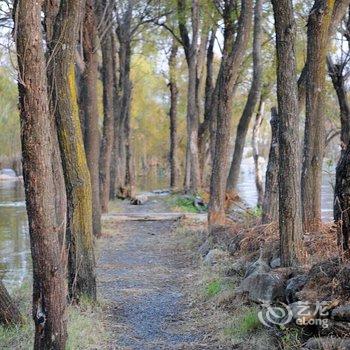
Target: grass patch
<point x="213" y="288"/>
<point x="291" y="339"/>
<point x="85" y="327"/>
<point x="184" y="204"/>
<point x="255" y="212"/>
<point x="246" y="323"/>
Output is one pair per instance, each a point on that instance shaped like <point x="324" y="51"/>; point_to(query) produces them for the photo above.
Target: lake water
<point x="15" y="261"/>
<point x="15" y="264"/>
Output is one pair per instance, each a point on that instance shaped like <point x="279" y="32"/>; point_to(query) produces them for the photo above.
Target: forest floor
<point x="148" y="276"/>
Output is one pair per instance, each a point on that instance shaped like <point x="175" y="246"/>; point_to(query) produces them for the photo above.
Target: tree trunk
<point x="255" y="146"/>
<point x="311" y="180"/>
<point x="232" y="59"/>
<point x="339" y="10"/>
<point x="48" y="251"/>
<point x="108" y="119"/>
<point x="204" y="128"/>
<point x="115" y="161"/>
<point x="174" y="93"/>
<point x="270" y="201"/>
<point x="290" y="225"/>
<point x="51" y="8"/>
<point x="81" y="261"/>
<point x="130" y="181"/>
<point x="336" y="72"/>
<point x="9" y="313"/>
<point x="89" y="108"/>
<point x="342" y="199"/>
<point x="120" y="179"/>
<point x="252" y="101"/>
<point x="192" y="175"/>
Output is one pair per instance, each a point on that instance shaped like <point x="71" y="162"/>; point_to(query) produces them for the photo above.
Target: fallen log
<point x="155" y="216"/>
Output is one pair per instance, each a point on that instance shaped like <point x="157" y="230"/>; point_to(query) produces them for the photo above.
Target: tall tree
<point x="252" y="100"/>
<point x="48" y="249"/>
<point x="232" y="59"/>
<point x="125" y="31"/>
<point x="339" y="9"/>
<point x="270" y="201"/>
<point x="81" y="261"/>
<point x="89" y="109"/>
<point x="204" y="127"/>
<point x="338" y="74"/>
<point x="256" y="154"/>
<point x="317" y="43"/>
<point x="190" y="46"/>
<point x="105" y="12"/>
<point x="290" y="225"/>
<point x="174" y="93"/>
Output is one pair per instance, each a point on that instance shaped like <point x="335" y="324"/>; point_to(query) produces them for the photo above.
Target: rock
<point x="324" y="343"/>
<point x="294" y="285"/>
<point x="275" y="263"/>
<point x="263" y="287"/>
<point x="258" y="266"/>
<point x="9" y="172"/>
<point x="341" y="313"/>
<point x="199" y="204"/>
<point x="215" y="256"/>
<point x="334" y="328"/>
<point x="270" y="252"/>
<point x="322" y="282"/>
<point x="204" y="248"/>
<point x="238" y="268"/>
<point x="139" y="199"/>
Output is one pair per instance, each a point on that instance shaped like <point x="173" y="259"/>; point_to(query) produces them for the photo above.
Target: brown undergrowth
<point x="245" y="241"/>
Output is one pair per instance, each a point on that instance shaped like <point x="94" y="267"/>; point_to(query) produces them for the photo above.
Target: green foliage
<point x="183" y="203"/>
<point x="256" y="212"/>
<point x="246" y="323"/>
<point x="213" y="288"/>
<point x="9" y="119"/>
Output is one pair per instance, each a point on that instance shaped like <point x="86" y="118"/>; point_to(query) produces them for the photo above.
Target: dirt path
<point x="146" y="280"/>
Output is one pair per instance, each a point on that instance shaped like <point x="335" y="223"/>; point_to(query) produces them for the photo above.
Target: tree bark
<point x="47" y="247"/>
<point x="270" y="201"/>
<point x="204" y="128"/>
<point x="339" y="10"/>
<point x="9" y="313"/>
<point x="231" y="61"/>
<point x="311" y="180"/>
<point x="252" y="101"/>
<point x="174" y="93"/>
<point x="290" y="225"/>
<point x="342" y="199"/>
<point x="108" y="119"/>
<point x="51" y="8"/>
<point x="255" y="146"/>
<point x="81" y="261"/>
<point x="126" y="171"/>
<point x="89" y="109"/>
<point x="192" y="173"/>
<point x="336" y="72"/>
